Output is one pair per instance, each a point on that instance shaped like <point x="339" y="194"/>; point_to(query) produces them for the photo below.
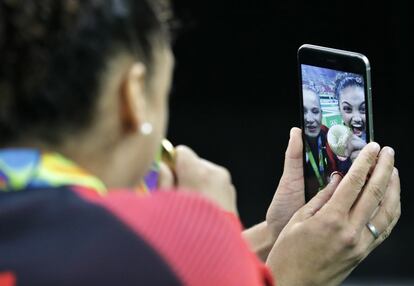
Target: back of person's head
<point x="53" y="54"/>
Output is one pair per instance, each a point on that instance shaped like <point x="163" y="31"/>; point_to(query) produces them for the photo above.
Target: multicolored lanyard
<point x="318" y="171"/>
<point x="28" y="168"/>
<point x="151" y="179"/>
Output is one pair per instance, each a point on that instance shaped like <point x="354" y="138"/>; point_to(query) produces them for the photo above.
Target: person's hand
<point x="327" y="238"/>
<point x="355" y="145"/>
<point x="192" y="173"/>
<point x="290" y="194"/>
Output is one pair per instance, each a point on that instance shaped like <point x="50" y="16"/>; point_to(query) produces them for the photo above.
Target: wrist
<point x="259" y="239"/>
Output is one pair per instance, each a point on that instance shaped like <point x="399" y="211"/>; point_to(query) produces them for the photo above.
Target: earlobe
<point x="132" y="100"/>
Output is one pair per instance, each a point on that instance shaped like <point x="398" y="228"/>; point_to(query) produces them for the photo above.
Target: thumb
<point x="187" y="167"/>
<point x="322" y="197"/>
<point x="293" y="155"/>
<point x="291" y="182"/>
<point x="166" y="177"/>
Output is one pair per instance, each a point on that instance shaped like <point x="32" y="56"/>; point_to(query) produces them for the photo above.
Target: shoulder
<point x="121" y="238"/>
<point x="195" y="237"/>
<point x="82" y="241"/>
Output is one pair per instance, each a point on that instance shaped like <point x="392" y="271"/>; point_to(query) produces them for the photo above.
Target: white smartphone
<point x="336" y="111"/>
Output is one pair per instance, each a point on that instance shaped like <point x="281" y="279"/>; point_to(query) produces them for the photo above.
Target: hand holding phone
<point x="336" y="111"/>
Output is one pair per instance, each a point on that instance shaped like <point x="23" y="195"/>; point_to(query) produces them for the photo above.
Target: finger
<point x="387" y="232"/>
<point x="323" y="196"/>
<point x="388" y="212"/>
<point x="375" y="188"/>
<point x="293" y="155"/>
<point x="186" y="165"/>
<point x="291" y="183"/>
<point x="166" y="177"/>
<point x="357" y="143"/>
<point x="351" y="185"/>
<point x="370" y="243"/>
<point x="184" y="152"/>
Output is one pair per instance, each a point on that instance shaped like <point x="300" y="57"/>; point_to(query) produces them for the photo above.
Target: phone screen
<point x="334" y="123"/>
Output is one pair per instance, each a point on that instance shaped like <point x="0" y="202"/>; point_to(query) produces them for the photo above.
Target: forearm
<point x="259" y="240"/>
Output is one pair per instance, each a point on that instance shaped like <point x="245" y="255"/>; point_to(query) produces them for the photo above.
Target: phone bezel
<point x="339" y="60"/>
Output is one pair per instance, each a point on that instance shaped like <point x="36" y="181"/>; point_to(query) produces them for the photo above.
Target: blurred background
<point x="235" y="95"/>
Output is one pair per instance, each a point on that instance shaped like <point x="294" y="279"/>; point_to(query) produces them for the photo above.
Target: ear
<point x="132" y="98"/>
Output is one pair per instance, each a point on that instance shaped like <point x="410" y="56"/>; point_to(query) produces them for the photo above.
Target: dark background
<point x="235" y="95"/>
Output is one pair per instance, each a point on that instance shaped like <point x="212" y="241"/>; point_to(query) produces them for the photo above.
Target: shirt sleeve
<point x="202" y="244"/>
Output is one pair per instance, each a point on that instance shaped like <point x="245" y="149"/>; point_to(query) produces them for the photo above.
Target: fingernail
<point x="290" y="133"/>
<point x="395" y="171"/>
<point x="374" y="146"/>
<point x="390" y="151"/>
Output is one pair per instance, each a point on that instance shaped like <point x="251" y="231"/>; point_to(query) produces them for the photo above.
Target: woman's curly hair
<point x="53" y="51"/>
<point x="345" y="80"/>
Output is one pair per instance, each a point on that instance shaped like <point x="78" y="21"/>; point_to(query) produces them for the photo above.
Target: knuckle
<point x="183" y="150"/>
<point x="385" y="234"/>
<point x="220" y="173"/>
<point x="398" y="212"/>
<point x="355" y="178"/>
<point x="377" y="191"/>
<point x="371" y="157"/>
<point x="334" y="221"/>
<point x="204" y="172"/>
<point x="390" y="166"/>
<point x="216" y="172"/>
<point x="360" y="254"/>
<point x="225" y="174"/>
<point x="185" y="158"/>
<point x="389" y="216"/>
<point x="350" y="238"/>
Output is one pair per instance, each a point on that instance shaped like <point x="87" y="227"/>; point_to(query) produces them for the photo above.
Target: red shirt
<point x="74" y="236"/>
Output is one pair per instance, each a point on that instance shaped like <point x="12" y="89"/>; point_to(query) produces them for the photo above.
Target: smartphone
<point x="335" y="112"/>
